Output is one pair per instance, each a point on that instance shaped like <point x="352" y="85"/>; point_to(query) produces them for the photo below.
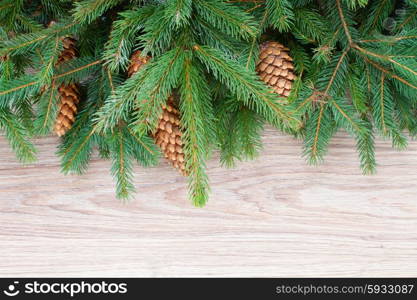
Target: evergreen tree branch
<point x="76" y="70"/>
<point x="121" y="167"/>
<point x="346" y="117"/>
<point x="27" y="42"/>
<point x="227" y="18"/>
<point x="384" y="57"/>
<point x="315" y="147"/>
<point x="26" y="86"/>
<point x="47" y="110"/>
<point x="254" y="39"/>
<point x="383" y="114"/>
<point x="86" y="11"/>
<point x="389" y="39"/>
<point x="140" y="141"/>
<point x="280" y="14"/>
<point x="76" y="156"/>
<point x="18" y="136"/>
<point x="387" y="72"/>
<point x="51" y="58"/>
<point x="319" y="129"/>
<point x="121" y="41"/>
<point x="196" y="120"/>
<point x="344" y="23"/>
<point x="336" y="69"/>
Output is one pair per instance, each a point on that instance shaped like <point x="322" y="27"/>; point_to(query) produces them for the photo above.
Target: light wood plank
<point x="275" y="216"/>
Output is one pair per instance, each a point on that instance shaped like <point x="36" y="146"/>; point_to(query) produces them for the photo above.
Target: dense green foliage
<point x="355" y="60"/>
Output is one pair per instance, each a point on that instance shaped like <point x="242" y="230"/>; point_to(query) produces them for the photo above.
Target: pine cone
<point x="275" y="67"/>
<point x="69" y="96"/>
<point x="168" y="132"/>
<point x="68" y="93"/>
<point x="168" y="135"/>
<point x="136" y="62"/>
<point x="69" y="52"/>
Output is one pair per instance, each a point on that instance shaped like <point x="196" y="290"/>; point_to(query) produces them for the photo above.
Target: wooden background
<point x="272" y="217"/>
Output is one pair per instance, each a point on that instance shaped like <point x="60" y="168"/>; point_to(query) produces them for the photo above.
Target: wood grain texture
<point x="275" y="216"/>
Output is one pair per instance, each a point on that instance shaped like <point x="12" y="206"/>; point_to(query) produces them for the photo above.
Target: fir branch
<point x="280" y="14"/>
<point x="76" y="67"/>
<point x="47" y="110"/>
<point x="196" y="119"/>
<point x="382" y="105"/>
<point x="383" y="114"/>
<point x="13" y="89"/>
<point x="380" y="11"/>
<point x="17" y="135"/>
<point x="389" y="73"/>
<point x="253" y="47"/>
<point x="160" y="28"/>
<point x="122" y="36"/>
<point x="239" y="133"/>
<point x="319" y="129"/>
<point x="76" y="156"/>
<point x="339" y="65"/>
<point x="388" y="39"/>
<point x="227" y="18"/>
<point x="365" y="145"/>
<point x="121" y="168"/>
<point x="343" y="21"/>
<point x="25" y="86"/>
<point x="353" y="74"/>
<point x="324" y="50"/>
<point x="386" y="58"/>
<point x="216" y="39"/>
<point x="357" y="91"/>
<point x="27" y="42"/>
<point x="310" y="24"/>
<point x="151" y="149"/>
<point x="86" y="11"/>
<point x="181" y="9"/>
<point x="345" y="116"/>
<point x="354" y="4"/>
<point x="49" y="60"/>
<point x="314" y="147"/>
<point x="77" y="144"/>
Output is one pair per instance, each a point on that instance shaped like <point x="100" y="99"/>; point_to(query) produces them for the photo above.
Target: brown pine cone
<point x="69" y="52"/>
<point x="69" y="95"/>
<point x="168" y="135"/>
<point x="168" y="132"/>
<point x="136" y="62"/>
<point x="275" y="67"/>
